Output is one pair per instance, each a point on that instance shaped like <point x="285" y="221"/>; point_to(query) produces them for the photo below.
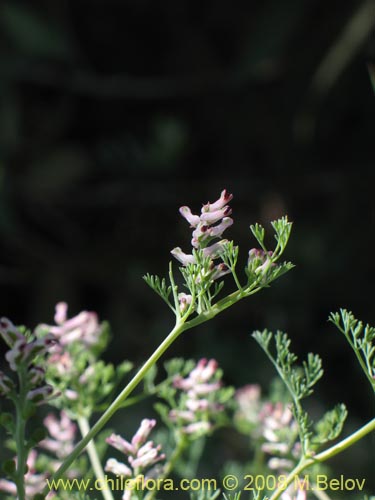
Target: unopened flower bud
<point x="36" y="375"/>
<point x="6" y="384"/>
<point x="184" y="300"/>
<point x="225" y="198"/>
<point x="40" y="395"/>
<point x="9" y="332"/>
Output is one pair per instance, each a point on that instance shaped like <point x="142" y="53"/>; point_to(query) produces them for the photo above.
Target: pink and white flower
<point x="198" y="406"/>
<point x="84" y="327"/>
<point x="207" y="226"/>
<point x="141" y="454"/>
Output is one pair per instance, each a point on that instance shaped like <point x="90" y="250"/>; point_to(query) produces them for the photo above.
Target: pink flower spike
<point x="121" y="444"/>
<point x="192" y="219"/>
<point x="224" y="199"/>
<point x="84" y="327"/>
<point x="62" y="429"/>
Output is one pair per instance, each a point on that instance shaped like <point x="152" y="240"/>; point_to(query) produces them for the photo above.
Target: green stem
<point x="236" y="280"/>
<point x="223" y="304"/>
<point x="84" y="427"/>
<point x="325" y="455"/>
<point x="346" y="443"/>
<point x="111" y="410"/>
<point x="20" y="436"/>
<point x="303" y="464"/>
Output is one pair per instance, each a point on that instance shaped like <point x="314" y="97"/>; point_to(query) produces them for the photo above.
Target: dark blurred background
<point x="113" y="114"/>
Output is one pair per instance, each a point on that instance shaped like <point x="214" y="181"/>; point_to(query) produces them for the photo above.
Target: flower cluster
<point x="141" y="454"/>
<point x="84" y="327"/>
<point x="59" y="443"/>
<point x="71" y="364"/>
<point x="34" y="482"/>
<point x="211" y="213"/>
<point x="197" y="406"/>
<point x="208" y="226"/>
<point x="259" y="261"/>
<point x="26" y="353"/>
<point x="272" y="423"/>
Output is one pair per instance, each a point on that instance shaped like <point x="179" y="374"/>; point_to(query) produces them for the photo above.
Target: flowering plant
<point x="60" y="366"/>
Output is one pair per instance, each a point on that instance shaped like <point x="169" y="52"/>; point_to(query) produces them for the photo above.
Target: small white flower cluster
<point x="83" y="329"/>
<point x="197" y="408"/>
<point x="142" y="454"/>
<point x="271" y="422"/>
<point x="275" y="425"/>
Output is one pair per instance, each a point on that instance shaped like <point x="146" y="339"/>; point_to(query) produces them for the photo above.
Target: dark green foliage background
<point x="114" y="113"/>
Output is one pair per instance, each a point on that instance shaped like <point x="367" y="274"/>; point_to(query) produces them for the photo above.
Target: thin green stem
<point x="174" y="293"/>
<point x="303" y="464"/>
<point x="236" y="280"/>
<point x="20" y="436"/>
<point x="325" y="455"/>
<point x="346" y="443"/>
<point x="96" y="465"/>
<point x="223" y="304"/>
<point x="176" y="331"/>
